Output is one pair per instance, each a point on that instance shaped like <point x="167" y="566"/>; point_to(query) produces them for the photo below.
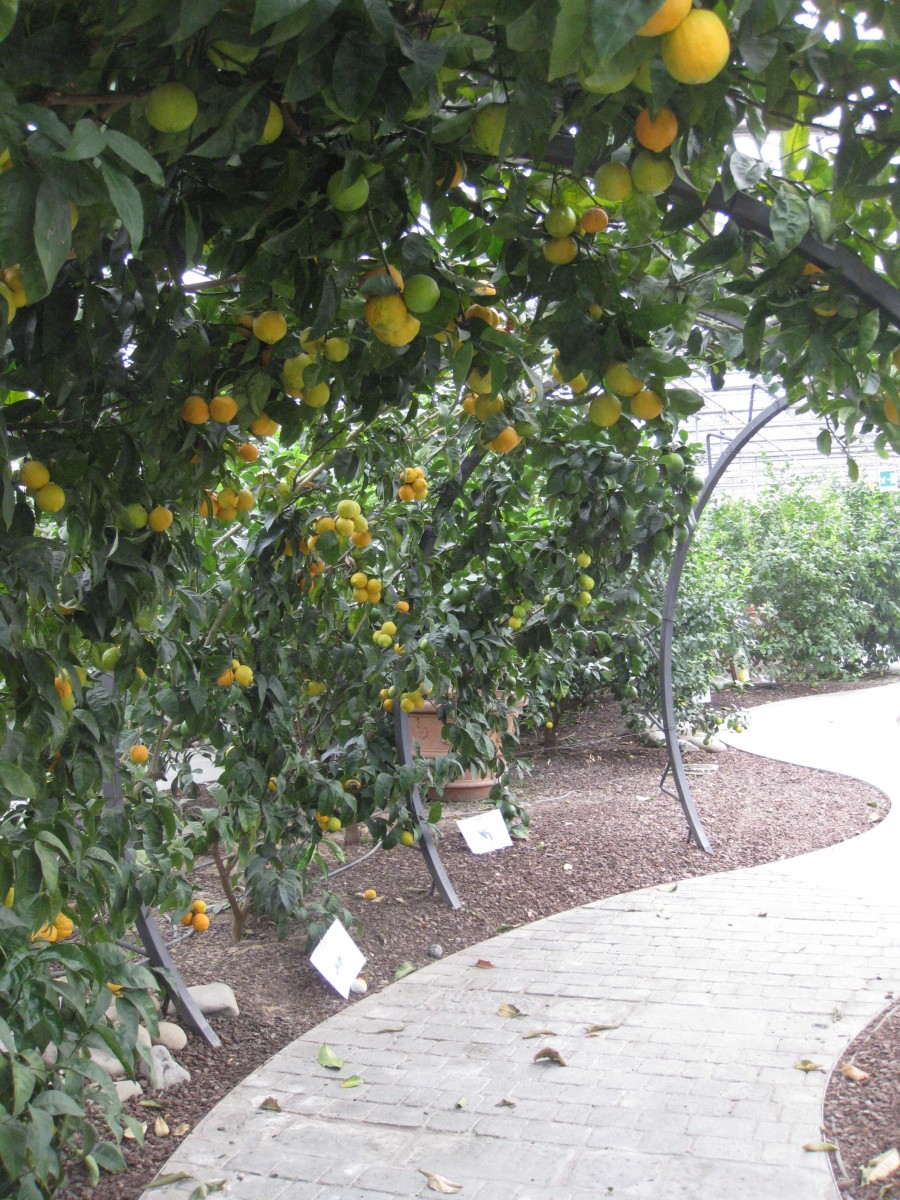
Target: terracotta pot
<point x="425" y="731"/>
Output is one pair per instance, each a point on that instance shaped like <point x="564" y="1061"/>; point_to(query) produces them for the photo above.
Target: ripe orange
<point x="646" y="404"/>
<point x="395" y="275"/>
<point x="200" y="922"/>
<point x="605" y="409"/>
<point x="34" y="475"/>
<point x="370" y="894"/>
<point x="594" y="220"/>
<point x="187" y="919"/>
<point x="198" y="906"/>
<point x="195" y="411"/>
<point x="270" y="327"/>
<point x="697" y="49"/>
<point x="138" y="753"/>
<point x="507" y="439"/>
<point x="890" y="411"/>
<point x="248" y="452"/>
<point x="560" y="251"/>
<point x="222" y="408"/>
<point x="670" y="14"/>
<point x="160" y="518"/>
<point x="656" y="133"/>
<point x="226" y="679"/>
<point x="264" y="426"/>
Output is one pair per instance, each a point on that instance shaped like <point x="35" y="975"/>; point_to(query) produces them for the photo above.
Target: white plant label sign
<point x="338" y="959"/>
<point x="485" y="832"/>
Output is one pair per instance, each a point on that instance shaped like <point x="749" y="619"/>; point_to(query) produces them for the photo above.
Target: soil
<point x="599" y="826"/>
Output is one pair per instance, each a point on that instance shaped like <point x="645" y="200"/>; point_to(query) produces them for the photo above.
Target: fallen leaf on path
<point x="807" y="1064"/>
<point x="403" y="970"/>
<point x="854" y="1074"/>
<point x="551" y="1055"/>
<point x="539" y="1033"/>
<point x="438" y="1183"/>
<point x="270" y="1104"/>
<point x="211" y="1185"/>
<point x="505" y="1104"/>
<point x="391" y="1029"/>
<point x="510" y="1010"/>
<point x="820" y="1146"/>
<point x="881" y="1166"/>
<point x="165" y="1180"/>
<point x="484" y="964"/>
<point x="462" y="1102"/>
<point x="352" y="1081"/>
<point x="593" y="1030"/>
<point x="328" y="1058"/>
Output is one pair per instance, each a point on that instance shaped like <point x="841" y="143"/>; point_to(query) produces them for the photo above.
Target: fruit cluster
<point x="60" y="928"/>
<point x="348" y="522"/>
<point x="238" y="673"/>
<point x="225" y="504"/>
<point x="294" y="370"/>
<point x="606" y="408"/>
<point x="366" y="589"/>
<point x="328" y="824"/>
<point x="409" y="701"/>
<point x="48" y="496"/>
<point x="519" y="613"/>
<point x="563" y="225"/>
<point x="196" y="917"/>
<point x="388" y="316"/>
<point x="413" y="485"/>
<point x="196" y="411"/>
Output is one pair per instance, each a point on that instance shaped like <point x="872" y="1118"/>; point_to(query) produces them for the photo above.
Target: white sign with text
<point x="485" y="832"/>
<point x="338" y="959"/>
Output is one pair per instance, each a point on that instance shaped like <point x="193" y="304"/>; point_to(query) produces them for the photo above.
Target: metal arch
<point x="667" y="634"/>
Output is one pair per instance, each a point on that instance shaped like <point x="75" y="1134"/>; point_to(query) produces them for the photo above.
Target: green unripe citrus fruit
<point x="171" y="108"/>
<point x="421" y="293"/>
<point x="350" y="197"/>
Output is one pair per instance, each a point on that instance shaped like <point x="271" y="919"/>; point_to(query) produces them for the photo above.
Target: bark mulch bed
<point x="599" y="826"/>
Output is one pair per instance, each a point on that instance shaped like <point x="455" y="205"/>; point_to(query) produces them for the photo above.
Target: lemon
<point x="34" y="475"/>
<point x="50" y="498"/>
<point x="670" y="14"/>
<point x="171" y="108"/>
<point x="488" y="128"/>
<point x="605" y="409"/>
<point x="273" y="126"/>
<point x="613" y="182"/>
<point x="270" y="327"/>
<point x="697" y="49"/>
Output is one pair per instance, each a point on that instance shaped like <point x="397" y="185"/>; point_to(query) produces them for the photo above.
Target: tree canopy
<point x="348" y="352"/>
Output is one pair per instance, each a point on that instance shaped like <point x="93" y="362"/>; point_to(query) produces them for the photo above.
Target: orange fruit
<point x="507" y="439"/>
<point x="187" y="919"/>
<point x="195" y="411"/>
<point x="198" y="906"/>
<point x="370" y="894"/>
<point x="646" y="404"/>
<point x="594" y="220"/>
<point x="248" y="452"/>
<point x="670" y="14"/>
<point x="890" y="411"/>
<point x="264" y="426"/>
<point x="406" y="493"/>
<point x="200" y="922"/>
<point x="34" y="475"/>
<point x="222" y="408"/>
<point x="619" y="379"/>
<point x="160" y="518"/>
<point x="226" y="679"/>
<point x="560" y="251"/>
<point x="656" y="133"/>
<point x="139" y="753"/>
<point x="395" y="275"/>
<point x="269" y="327"/>
<point x="697" y="49"/>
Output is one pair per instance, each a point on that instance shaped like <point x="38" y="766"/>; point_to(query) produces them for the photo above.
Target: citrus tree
<point x="348" y="346"/>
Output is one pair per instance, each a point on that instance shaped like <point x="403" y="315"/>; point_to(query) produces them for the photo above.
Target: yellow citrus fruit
<point x="402" y="606"/>
<point x="270" y="327"/>
<point x="560" y="221"/>
<point x="370" y="894"/>
<point x="222" y="408"/>
<point x="160" y="518"/>
<point x="245" y="500"/>
<point x="697" y="49"/>
<point x="171" y="108"/>
<point x="198" y="906"/>
<point x="890" y="411"/>
<point x="348" y="508"/>
<point x="646" y="404"/>
<point x="485" y="406"/>
<point x="139" y="753"/>
<point x="50" y="498"/>
<point x="458" y="175"/>
<point x="670" y="14"/>
<point x="12" y="277"/>
<point x="385" y="314"/>
<point x="200" y="922"/>
<point x="187" y="919"/>
<point x="361" y="538"/>
<point x="273" y="126"/>
<point x="652" y="175"/>
<point x="605" y="409"/>
<point x="656" y="133"/>
<point x="317" y="396"/>
<point x="264" y="426"/>
<point x="507" y="439"/>
<point x="64" y="926"/>
<point x="34" y="475"/>
<point x="394" y="273"/>
<point x="407" y="838"/>
<point x="9" y="296"/>
<point x="336" y="349"/>
<point x="488" y="128"/>
<point x="560" y="251"/>
<point x="619" y="379"/>
<point x="613" y="182"/>
<point x="347" y="197"/>
<point x="243" y="676"/>
<point x="195" y="411"/>
<point x="248" y="452"/>
<point x="226" y="679"/>
<point x="479" y="381"/>
<point x="594" y="219"/>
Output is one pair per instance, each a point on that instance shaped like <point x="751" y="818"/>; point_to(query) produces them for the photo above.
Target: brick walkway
<point x="714" y="991"/>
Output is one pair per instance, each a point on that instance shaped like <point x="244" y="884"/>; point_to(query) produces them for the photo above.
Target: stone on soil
<point x="163" y="1071"/>
<point x="215" y="998"/>
<point x="127" y="1089"/>
<point x="171" y="1036"/>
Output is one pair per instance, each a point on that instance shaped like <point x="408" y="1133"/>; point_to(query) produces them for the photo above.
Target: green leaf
<point x="8" y="11"/>
<point x="352" y="1081"/>
<point x="789" y="219"/>
<point x="135" y="155"/>
<point x="126" y="201"/>
<point x="109" y="1157"/>
<point x="328" y="1058"/>
<point x="93" y="1170"/>
<point x="614" y="24"/>
<point x="380" y="16"/>
<point x="403" y="970"/>
<point x="823" y="442"/>
<point x="569" y="36"/>
<point x="18" y="196"/>
<point x="49" y="866"/>
<point x="16" y="782"/>
<point x="86" y="142"/>
<point x="52" y="228"/>
<point x="358" y="66"/>
<point x="267" y="12"/>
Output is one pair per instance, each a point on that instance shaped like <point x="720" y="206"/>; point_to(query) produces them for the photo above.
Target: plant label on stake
<point x="485" y="832"/>
<point x="338" y="959"/>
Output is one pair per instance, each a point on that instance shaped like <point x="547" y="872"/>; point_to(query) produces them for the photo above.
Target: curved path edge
<point x="711" y="992"/>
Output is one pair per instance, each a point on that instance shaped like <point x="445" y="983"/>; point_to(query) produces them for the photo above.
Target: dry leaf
<point x="160" y="1128"/>
<point x="510" y="1010"/>
<point x="328" y="1058"/>
<point x="593" y="1030"/>
<point x="270" y="1104"/>
<point x="484" y="964"/>
<point x="150" y="1104"/>
<point x="881" y="1166"/>
<point x="539" y="1033"/>
<point x="505" y="1104"/>
<point x="391" y="1029"/>
<point x="806" y="1064"/>
<point x="130" y="1134"/>
<point x="462" y="1102"/>
<point x="438" y="1183"/>
<point x="820" y="1146"/>
<point x="854" y="1074"/>
<point x="203" y="1190"/>
<point x="405" y="968"/>
<point x="352" y="1081"/>
<point x="181" y="1130"/>
<point x="550" y="1055"/>
<point x="165" y="1180"/>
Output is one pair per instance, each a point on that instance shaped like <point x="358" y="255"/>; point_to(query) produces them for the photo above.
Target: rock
<point x="143" y="1037"/>
<point x="107" y="1062"/>
<point x="711" y="744"/>
<point x="212" y="998"/>
<point x="127" y="1089"/>
<point x="435" y="951"/>
<point x="359" y="987"/>
<point x="163" y="1071"/>
<point x="171" y="1036"/>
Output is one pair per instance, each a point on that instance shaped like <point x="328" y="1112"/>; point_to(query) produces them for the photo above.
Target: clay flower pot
<point x="425" y="732"/>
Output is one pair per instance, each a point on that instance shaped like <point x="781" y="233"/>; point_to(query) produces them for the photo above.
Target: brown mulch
<point x="599" y="826"/>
